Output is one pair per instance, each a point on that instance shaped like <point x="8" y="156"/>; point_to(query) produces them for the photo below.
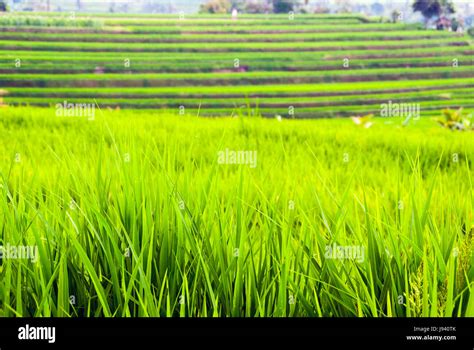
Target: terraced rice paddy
<point x="310" y="66"/>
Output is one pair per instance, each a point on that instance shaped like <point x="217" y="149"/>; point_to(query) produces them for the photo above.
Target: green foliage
<point x="456" y="120"/>
<point x="133" y="215"/>
<point x="274" y="52"/>
<point x="433" y="8"/>
<point x="396" y="16"/>
<point x="216" y="6"/>
<point x="41" y="21"/>
<point x="284" y="6"/>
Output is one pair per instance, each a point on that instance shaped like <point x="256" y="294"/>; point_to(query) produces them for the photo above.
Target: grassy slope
<point x="401" y="196"/>
<point x="200" y="51"/>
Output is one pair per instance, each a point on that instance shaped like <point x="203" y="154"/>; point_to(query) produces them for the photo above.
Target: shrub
<point x="283" y="6"/>
<point x="456" y="120"/>
<point x="216" y="6"/>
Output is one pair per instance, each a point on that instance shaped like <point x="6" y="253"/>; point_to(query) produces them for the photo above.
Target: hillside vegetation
<point x="309" y="66"/>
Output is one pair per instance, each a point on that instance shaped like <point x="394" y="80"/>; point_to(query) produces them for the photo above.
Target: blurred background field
<point x="310" y="66"/>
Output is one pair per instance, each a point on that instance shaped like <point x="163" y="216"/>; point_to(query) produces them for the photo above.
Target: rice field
<point x="219" y="175"/>
<point x="103" y="56"/>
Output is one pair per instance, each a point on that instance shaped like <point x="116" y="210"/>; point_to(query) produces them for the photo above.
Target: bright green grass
<point x="446" y="94"/>
<point x="307" y="51"/>
<point x="267" y="108"/>
<point x="376" y="87"/>
<point x="228" y="47"/>
<point x="320" y="100"/>
<point x="59" y="19"/>
<point x="216" y="17"/>
<point x="204" y="64"/>
<point x="442" y="97"/>
<point x="223" y="79"/>
<point x="212" y="17"/>
<point x="279" y="37"/>
<point x="220" y="23"/>
<point x="67" y="20"/>
<point x="238" y="75"/>
<point x="281" y="28"/>
<point x="67" y="187"/>
<point x="11" y="24"/>
<point x="331" y="54"/>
